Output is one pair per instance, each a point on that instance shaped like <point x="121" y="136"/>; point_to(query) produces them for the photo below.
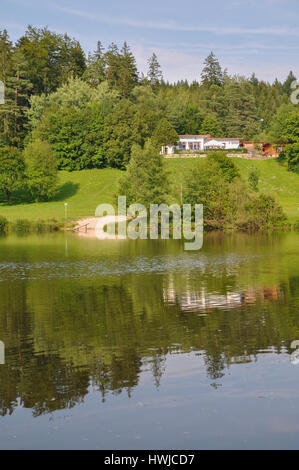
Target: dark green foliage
<point x="212" y="73"/>
<point x="14" y="74"/>
<point x="76" y="136"/>
<point x="154" y="73"/>
<point x="240" y="114"/>
<point x="52" y="58"/>
<point x="121" y="69"/>
<point x="191" y="120"/>
<point x="95" y="72"/>
<point x="12" y="168"/>
<point x="92" y="111"/>
<point x="123" y="128"/>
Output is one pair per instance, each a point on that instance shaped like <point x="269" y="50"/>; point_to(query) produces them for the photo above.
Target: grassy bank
<point x="274" y="180"/>
<point x="84" y="190"/>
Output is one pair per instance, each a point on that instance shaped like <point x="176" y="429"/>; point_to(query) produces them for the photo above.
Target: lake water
<point x="142" y="345"/>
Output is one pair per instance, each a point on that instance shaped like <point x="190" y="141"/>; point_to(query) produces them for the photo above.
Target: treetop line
<point x="63" y="111"/>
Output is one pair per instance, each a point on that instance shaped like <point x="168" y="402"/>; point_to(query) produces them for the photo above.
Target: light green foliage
<point x="290" y="132"/>
<point x="211" y="125"/>
<point x="145" y="181"/>
<point x="253" y="179"/>
<point x="75" y="94"/>
<point x="227" y="201"/>
<point x="41" y="170"/>
<point x="278" y="122"/>
<point x="291" y="155"/>
<point x="3" y="223"/>
<point x="82" y="190"/>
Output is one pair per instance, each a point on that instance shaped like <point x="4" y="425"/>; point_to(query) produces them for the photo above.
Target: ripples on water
<point x="164" y="348"/>
<point x="140" y="264"/>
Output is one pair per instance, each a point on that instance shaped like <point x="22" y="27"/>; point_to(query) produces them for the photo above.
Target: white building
<point x="202" y="142"/>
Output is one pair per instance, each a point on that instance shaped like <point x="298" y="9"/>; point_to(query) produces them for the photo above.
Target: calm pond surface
<point x="142" y="345"/>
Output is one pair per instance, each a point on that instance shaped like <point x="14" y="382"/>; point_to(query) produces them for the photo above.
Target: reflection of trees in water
<point x="63" y="337"/>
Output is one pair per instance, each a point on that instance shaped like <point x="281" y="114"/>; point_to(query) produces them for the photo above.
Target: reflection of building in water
<point x="202" y="300"/>
<point x="191" y="300"/>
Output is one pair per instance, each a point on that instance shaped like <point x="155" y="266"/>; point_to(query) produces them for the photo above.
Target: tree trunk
<point x="7" y="192"/>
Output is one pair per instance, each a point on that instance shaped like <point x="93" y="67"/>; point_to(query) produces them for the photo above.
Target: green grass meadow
<point x="84" y="190"/>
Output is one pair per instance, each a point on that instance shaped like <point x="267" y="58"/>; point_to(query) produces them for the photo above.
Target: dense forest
<point x="64" y="110"/>
<point x="91" y="109"/>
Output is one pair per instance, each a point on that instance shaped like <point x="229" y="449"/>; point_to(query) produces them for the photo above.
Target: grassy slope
<point x="84" y="190"/>
<point x="274" y="180"/>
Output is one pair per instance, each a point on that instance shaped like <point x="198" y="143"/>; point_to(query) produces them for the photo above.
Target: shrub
<point x="11" y="170"/>
<point x="227" y="200"/>
<point x="3" y="223"/>
<point x="41" y="170"/>
<point x="253" y="179"/>
<point x="226" y="166"/>
<point x="21" y="225"/>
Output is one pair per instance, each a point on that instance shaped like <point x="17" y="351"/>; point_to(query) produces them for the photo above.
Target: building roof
<point x="195" y="135"/>
<point x="208" y="136"/>
<point x="226" y="138"/>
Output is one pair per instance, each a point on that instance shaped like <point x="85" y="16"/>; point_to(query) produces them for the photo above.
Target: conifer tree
<point x="212" y="73"/>
<point x="288" y="82"/>
<point x="128" y="78"/>
<point x="96" y="66"/>
<point x="154" y="73"/>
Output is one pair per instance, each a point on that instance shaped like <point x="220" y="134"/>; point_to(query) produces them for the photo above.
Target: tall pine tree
<point x="154" y="73"/>
<point x="212" y="73"/>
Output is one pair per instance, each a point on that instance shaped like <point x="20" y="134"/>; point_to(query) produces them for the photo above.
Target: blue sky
<point x="260" y="36"/>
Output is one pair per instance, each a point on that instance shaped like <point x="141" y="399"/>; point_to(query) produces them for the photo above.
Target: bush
<point x="226" y="166"/>
<point x="296" y="225"/>
<point x="253" y="179"/>
<point x="12" y="168"/>
<point x="3" y="223"/>
<point x="41" y="170"/>
<point x="291" y="154"/>
<point x="21" y="225"/>
<point x="228" y="202"/>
